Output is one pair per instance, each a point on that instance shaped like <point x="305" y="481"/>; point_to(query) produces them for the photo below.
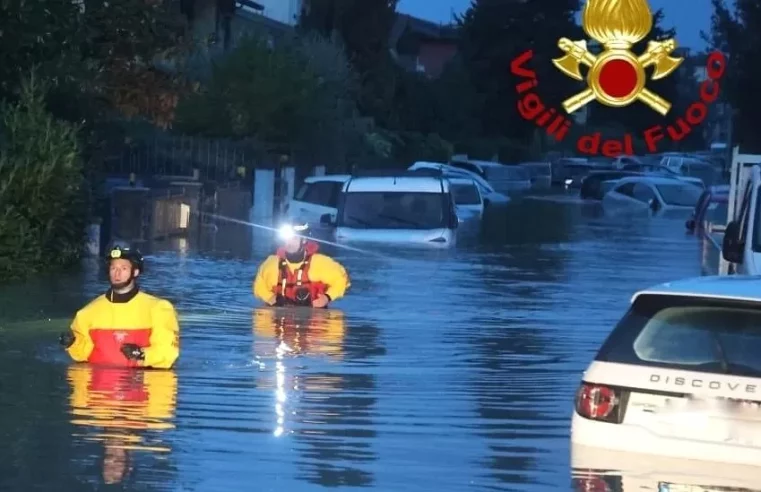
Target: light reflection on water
<point x="451" y="370"/>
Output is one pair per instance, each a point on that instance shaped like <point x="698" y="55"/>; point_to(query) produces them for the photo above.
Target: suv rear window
<point x="689" y="333"/>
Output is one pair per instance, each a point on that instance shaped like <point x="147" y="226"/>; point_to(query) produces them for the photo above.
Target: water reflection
<point x="120" y="408"/>
<point x="615" y="471"/>
<point x="328" y="410"/>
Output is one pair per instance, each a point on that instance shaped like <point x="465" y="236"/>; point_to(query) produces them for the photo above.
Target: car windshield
<point x="394" y="210"/>
<point x="690" y="333"/>
<point x="679" y="194"/>
<point x="465" y="194"/>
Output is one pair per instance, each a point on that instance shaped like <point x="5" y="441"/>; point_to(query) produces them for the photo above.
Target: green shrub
<point x="42" y="205"/>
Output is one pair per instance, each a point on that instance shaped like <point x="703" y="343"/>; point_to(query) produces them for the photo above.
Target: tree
<point x="364" y="26"/>
<point x="104" y="49"/>
<point x="496" y="32"/>
<point x="122" y="40"/>
<point x="42" y="206"/>
<point x="738" y="36"/>
<point x="36" y="33"/>
<point x="255" y="92"/>
<point x="446" y="106"/>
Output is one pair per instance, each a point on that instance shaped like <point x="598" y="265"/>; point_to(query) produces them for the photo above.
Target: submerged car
<point x="652" y="192"/>
<point x="679" y="376"/>
<point x="414" y="207"/>
<point x="491" y="197"/>
<point x="591" y="185"/>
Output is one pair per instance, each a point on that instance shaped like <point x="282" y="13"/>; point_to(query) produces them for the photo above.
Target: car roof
<point x="332" y="178"/>
<point x="460" y="180"/>
<point x="654" y="179"/>
<point x="480" y="163"/>
<point x="449" y="171"/>
<point x="731" y="287"/>
<point x="403" y="183"/>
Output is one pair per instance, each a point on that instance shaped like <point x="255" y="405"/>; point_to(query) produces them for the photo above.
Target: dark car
<point x="591" y="184"/>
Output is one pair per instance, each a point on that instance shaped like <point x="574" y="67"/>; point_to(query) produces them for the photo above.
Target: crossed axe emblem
<point x="621" y="64"/>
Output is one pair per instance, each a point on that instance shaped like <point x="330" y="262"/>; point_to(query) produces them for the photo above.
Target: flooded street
<point x="441" y="370"/>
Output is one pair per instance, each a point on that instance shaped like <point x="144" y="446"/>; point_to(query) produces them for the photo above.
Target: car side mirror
<point x="732" y="245"/>
<point x="654" y="205"/>
<point x="326" y="219"/>
<point x="690" y="225"/>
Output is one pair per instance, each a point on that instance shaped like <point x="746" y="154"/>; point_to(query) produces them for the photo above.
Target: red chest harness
<point x="291" y="282"/>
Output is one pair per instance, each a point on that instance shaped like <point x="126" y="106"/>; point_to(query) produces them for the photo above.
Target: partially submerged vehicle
<point x="502" y="177"/>
<point x="652" y="192"/>
<point x="492" y="197"/>
<point x="591" y="185"/>
<point x="396" y="207"/>
<point x="467" y="199"/>
<point x="656" y="169"/>
<point x="316" y="197"/>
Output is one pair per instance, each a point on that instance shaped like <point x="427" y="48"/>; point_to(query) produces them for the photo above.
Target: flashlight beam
<point x="277" y="230"/>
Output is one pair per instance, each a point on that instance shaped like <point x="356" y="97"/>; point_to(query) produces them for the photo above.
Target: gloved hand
<point x="133" y="352"/>
<point x="281" y="301"/>
<point x="66" y="339"/>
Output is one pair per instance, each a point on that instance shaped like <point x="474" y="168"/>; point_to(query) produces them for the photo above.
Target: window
<point x="395" y="210"/>
<point x="643" y="193"/>
<point x="679" y="194"/>
<point x="324" y="193"/>
<point x="626" y="189"/>
<point x="465" y="194"/>
<point x="691" y="333"/>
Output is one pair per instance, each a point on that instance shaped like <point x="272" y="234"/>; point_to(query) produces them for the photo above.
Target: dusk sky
<point x="688" y="16"/>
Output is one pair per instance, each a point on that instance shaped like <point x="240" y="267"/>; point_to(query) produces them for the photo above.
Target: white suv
<point x="316" y="197"/>
<point x="679" y="376"/>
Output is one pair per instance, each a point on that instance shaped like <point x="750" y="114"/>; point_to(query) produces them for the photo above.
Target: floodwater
<point x="441" y="370"/>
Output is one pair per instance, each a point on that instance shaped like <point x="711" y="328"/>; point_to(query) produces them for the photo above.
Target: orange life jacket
<point x="289" y="282"/>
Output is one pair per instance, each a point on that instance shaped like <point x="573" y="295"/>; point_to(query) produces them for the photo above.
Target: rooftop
<point x="737" y="287"/>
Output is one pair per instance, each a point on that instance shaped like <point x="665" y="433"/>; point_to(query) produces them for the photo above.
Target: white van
<point x="679" y="376"/>
<point x="741" y="246"/>
<point x="396" y="207"/>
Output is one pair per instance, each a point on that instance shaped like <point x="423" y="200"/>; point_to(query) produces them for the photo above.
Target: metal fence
<point x="205" y="159"/>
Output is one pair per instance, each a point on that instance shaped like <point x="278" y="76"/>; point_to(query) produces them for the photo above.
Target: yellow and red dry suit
<point x="317" y="273"/>
<point x="112" y="320"/>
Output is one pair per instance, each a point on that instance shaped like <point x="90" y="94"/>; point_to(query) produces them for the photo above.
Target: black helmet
<point x="126" y="252"/>
<point x="294" y="228"/>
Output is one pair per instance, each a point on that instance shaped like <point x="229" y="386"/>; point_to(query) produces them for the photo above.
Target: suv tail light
<point x="602" y="403"/>
<point x="597" y="483"/>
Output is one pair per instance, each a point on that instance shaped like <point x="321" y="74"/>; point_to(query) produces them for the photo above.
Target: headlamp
<point x="116" y="253"/>
<point x="288" y="231"/>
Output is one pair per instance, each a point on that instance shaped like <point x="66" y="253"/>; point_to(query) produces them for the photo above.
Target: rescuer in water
<point x="125" y="326"/>
<point x="297" y="275"/>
